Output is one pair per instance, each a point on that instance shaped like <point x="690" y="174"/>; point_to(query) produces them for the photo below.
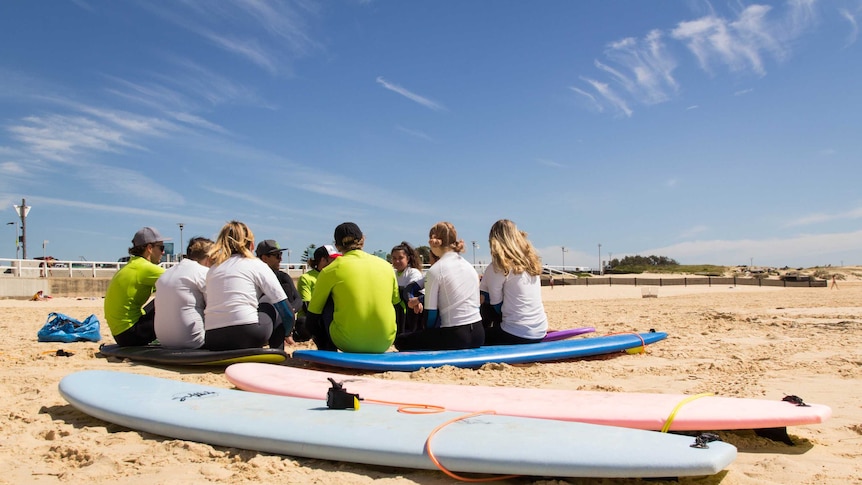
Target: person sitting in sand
<point x="246" y="305"/>
<point x="452" y="294"/>
<point x="131" y="322"/>
<point x="181" y="298"/>
<point x="322" y="257"/>
<point x="513" y="312"/>
<point x="352" y="308"/>
<point x="408" y="271"/>
<point x="270" y="253"/>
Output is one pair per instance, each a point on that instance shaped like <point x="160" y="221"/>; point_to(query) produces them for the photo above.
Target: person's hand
<point x="415" y="304"/>
<point x="289" y="341"/>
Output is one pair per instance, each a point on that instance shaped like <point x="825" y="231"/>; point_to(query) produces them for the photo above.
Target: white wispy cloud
<point x="820" y="218"/>
<point x="610" y="96"/>
<point x="416" y="133"/>
<point x="641" y="69"/>
<point x="60" y="137"/>
<point x="772" y="251"/>
<point x="410" y="95"/>
<point x="594" y="103"/>
<point x="694" y="231"/>
<point x="649" y="64"/>
<point x="549" y="163"/>
<point x="850" y="17"/>
<point x="197" y="121"/>
<point x="131" y="184"/>
<point x="269" y="35"/>
<point x="154" y="214"/>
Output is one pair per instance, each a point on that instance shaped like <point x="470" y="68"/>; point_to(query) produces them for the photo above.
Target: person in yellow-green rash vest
<point x="131" y="322"/>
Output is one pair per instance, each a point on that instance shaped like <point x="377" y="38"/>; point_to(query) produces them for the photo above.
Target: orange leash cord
<point x="412" y="408"/>
<point x="444" y="469"/>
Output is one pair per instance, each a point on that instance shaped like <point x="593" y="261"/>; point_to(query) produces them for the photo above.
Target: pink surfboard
<point x="651" y="411"/>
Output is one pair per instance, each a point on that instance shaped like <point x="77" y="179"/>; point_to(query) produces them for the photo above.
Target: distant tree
<point x="424" y="253"/>
<point x="644" y="261"/>
<point x="308" y="254"/>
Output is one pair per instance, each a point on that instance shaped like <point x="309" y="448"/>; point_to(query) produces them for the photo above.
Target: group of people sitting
<point x="227" y="294"/>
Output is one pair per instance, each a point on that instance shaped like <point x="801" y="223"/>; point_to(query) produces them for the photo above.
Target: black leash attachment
<point x="701" y="441"/>
<point x="338" y="398"/>
<point x="792" y="399"/>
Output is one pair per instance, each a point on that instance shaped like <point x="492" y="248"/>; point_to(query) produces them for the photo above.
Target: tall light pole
<point x="288" y="257"/>
<point x="22" y="211"/>
<point x="475" y="245"/>
<point x="182" y="249"/>
<point x="564" y="250"/>
<point x="601" y="269"/>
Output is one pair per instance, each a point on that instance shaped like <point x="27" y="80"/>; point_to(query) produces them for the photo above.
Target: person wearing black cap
<point x="131" y="322"/>
<point x="353" y="305"/>
<point x="269" y="252"/>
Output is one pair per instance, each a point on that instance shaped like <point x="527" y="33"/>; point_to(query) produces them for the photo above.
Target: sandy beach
<point x="732" y="341"/>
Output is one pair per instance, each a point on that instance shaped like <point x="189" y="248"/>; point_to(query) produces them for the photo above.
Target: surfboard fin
<point x="337" y="397"/>
<point x="775" y="434"/>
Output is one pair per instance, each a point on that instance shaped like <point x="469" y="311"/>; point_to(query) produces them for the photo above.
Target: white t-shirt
<point x="180" y="302"/>
<point x="234" y="289"/>
<point x="521" y="295"/>
<point x="452" y="288"/>
<point x="409" y="275"/>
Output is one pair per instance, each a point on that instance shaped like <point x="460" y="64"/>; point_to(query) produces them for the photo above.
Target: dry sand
<point x="743" y="341"/>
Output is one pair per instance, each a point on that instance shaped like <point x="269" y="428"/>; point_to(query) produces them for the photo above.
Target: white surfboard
<point x="676" y="412"/>
<point x="381" y="435"/>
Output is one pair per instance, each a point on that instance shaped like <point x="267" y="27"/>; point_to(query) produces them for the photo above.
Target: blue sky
<point x="708" y="132"/>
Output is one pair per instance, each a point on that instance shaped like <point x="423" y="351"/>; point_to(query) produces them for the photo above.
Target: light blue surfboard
<point x="380" y="435"/>
<point x="510" y="354"/>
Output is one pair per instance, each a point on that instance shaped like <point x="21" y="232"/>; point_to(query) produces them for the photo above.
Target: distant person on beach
<point x="353" y="305"/>
<point x="320" y="259"/>
<point x="551" y="282"/>
<point x="512" y="289"/>
<point x="246" y="305"/>
<point x="451" y="298"/>
<point x="408" y="272"/>
<point x="270" y="253"/>
<point x="131" y="322"/>
<point x="181" y="298"/>
<point x="834" y="283"/>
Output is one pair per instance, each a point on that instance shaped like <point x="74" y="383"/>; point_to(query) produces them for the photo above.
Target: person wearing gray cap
<point x="269" y="252"/>
<point x="131" y="322"/>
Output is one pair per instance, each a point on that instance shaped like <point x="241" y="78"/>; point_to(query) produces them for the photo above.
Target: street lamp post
<point x="564" y="250"/>
<point x="475" y="245"/>
<point x="22" y="211"/>
<point x="601" y="269"/>
<point x="182" y="250"/>
<point x="45" y="257"/>
<point x="288" y="258"/>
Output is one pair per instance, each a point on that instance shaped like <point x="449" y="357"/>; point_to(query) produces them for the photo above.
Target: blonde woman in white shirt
<point x="511" y="288"/>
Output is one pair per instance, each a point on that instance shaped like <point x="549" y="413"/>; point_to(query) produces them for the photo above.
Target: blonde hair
<point x="199" y="248"/>
<point x="511" y="251"/>
<point x="444" y="235"/>
<point x="234" y="238"/>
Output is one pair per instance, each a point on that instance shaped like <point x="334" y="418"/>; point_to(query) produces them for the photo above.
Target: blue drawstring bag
<point x="63" y="328"/>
